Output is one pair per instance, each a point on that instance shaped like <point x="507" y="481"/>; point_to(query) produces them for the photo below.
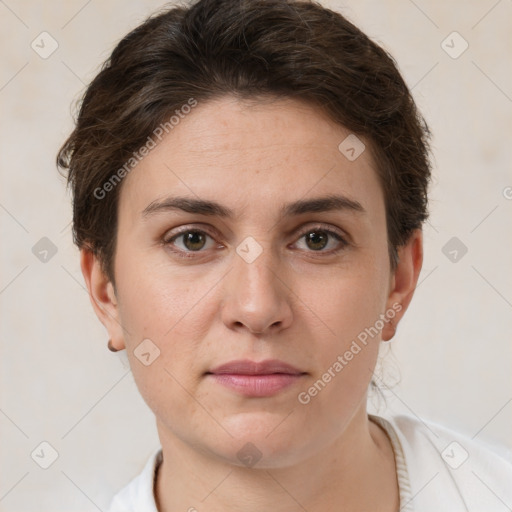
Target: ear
<point x="102" y="295"/>
<point x="404" y="280"/>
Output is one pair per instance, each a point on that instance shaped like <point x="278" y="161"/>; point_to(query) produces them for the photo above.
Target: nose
<point x="255" y="297"/>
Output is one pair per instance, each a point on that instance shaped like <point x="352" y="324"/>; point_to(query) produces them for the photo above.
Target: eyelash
<point x="190" y="254"/>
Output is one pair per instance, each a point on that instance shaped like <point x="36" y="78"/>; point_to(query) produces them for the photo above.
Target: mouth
<point x="256" y="379"/>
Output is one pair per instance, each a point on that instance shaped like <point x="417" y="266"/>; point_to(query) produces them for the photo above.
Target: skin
<point x="294" y="303"/>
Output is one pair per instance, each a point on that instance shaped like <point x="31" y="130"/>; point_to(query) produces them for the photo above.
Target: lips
<point x="247" y="367"/>
<point x="253" y="379"/>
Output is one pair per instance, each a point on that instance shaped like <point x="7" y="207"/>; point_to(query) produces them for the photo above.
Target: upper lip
<point x="248" y="367"/>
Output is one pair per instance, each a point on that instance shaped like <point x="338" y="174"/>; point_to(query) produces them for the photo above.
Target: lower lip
<point x="256" y="385"/>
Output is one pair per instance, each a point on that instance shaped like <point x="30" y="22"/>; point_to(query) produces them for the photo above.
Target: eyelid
<point x="325" y="227"/>
<point x="186" y="229"/>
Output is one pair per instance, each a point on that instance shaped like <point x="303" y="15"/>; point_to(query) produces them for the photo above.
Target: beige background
<point x="59" y="383"/>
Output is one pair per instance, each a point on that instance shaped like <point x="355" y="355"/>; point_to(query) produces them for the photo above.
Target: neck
<point x="357" y="472"/>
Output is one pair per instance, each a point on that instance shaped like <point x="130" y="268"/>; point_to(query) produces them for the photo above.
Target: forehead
<point x="253" y="157"/>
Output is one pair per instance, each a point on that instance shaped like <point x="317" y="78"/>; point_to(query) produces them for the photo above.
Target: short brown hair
<point x="245" y="48"/>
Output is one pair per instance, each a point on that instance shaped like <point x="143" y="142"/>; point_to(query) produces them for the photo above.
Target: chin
<point x="263" y="440"/>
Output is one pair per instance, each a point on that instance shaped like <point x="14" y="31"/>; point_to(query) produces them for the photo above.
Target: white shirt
<point x="438" y="470"/>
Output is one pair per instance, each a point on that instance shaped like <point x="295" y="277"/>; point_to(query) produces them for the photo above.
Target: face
<point x="276" y="252"/>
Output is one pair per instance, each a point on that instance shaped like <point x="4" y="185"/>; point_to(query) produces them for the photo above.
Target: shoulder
<point x="138" y="494"/>
<point x="446" y="466"/>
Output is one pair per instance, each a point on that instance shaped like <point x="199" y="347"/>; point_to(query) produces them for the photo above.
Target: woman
<point x="250" y="182"/>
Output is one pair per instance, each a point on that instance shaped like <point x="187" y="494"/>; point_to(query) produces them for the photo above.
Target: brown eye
<point x="316" y="240"/>
<point x="191" y="240"/>
<point x="194" y="240"/>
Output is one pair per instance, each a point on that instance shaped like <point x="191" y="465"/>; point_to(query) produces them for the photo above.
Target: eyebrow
<point x="212" y="208"/>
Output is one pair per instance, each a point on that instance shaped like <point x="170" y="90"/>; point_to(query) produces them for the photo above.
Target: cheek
<point x="346" y="344"/>
<point x="156" y="297"/>
<point x="349" y="304"/>
<point x="348" y="300"/>
<point x="155" y="310"/>
<point x="159" y="305"/>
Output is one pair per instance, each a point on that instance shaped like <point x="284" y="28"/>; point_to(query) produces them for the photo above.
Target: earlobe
<point x="404" y="281"/>
<point x="389" y="329"/>
<point x="102" y="296"/>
